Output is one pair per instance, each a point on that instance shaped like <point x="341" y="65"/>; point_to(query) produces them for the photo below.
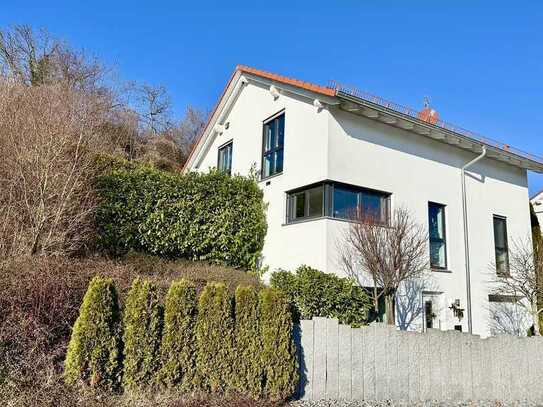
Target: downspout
<point x="466" y="236"/>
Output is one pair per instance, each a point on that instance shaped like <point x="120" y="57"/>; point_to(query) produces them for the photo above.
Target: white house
<point x="537" y="202"/>
<point x="322" y="150"/>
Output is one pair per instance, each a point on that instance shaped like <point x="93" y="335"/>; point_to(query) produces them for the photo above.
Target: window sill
<point x="435" y="270"/>
<point x="270" y="177"/>
<point x="294" y="222"/>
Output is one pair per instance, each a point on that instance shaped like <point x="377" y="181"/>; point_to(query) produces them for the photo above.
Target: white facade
<point x="332" y="143"/>
<point x="537" y="202"/>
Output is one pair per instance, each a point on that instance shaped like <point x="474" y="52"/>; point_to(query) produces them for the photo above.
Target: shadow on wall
<point x="302" y="367"/>
<point x="404" y="141"/>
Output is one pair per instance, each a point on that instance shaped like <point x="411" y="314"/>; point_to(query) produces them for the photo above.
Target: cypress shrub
<point x="248" y="366"/>
<point x="142" y="333"/>
<point x="213" y="217"/>
<point x="94" y="352"/>
<point x="278" y="348"/>
<point x="178" y="347"/>
<point x="214" y="339"/>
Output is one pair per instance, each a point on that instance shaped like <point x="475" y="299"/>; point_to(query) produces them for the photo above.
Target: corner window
<point x="272" y="146"/>
<point x="225" y="158"/>
<point x="438" y="243"/>
<point x="500" y="245"/>
<point x="338" y="201"/>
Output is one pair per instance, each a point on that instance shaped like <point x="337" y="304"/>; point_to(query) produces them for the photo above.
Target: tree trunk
<point x="390" y="310"/>
<point x="535" y="318"/>
<point x="376" y="303"/>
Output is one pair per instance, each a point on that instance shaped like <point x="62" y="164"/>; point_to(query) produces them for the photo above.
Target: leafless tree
<point x="520" y="284"/>
<point x="34" y="57"/>
<point x="385" y="255"/>
<point x="153" y="105"/>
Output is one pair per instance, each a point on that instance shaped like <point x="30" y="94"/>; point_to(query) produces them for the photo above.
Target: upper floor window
<point x="338" y="201"/>
<point x="500" y="245"/>
<point x="438" y="243"/>
<point x="225" y="157"/>
<point x="272" y="148"/>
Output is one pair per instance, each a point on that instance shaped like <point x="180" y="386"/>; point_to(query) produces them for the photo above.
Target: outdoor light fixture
<point x="274" y="92"/>
<point x="457" y="311"/>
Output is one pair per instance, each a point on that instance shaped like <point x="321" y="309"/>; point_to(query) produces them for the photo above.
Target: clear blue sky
<point x="481" y="63"/>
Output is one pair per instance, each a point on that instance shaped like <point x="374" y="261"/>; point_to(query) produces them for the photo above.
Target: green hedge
<point x="248" y="370"/>
<point x="278" y="349"/>
<point x="212" y="216"/>
<point x="313" y="293"/>
<point x="214" y="339"/>
<point x="142" y="334"/>
<point x="178" y="346"/>
<point x="94" y="352"/>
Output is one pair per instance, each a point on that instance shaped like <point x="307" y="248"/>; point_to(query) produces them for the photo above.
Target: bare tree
<point x="520" y="284"/>
<point x="36" y="58"/>
<point x="153" y="105"/>
<point x="384" y="255"/>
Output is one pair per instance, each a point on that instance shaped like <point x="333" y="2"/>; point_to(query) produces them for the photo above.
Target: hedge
<point x="94" y="351"/>
<point x="214" y="339"/>
<point x="313" y="293"/>
<point x="213" y="216"/>
<point x="248" y="370"/>
<point x="278" y="348"/>
<point x="142" y="334"/>
<point x="178" y="348"/>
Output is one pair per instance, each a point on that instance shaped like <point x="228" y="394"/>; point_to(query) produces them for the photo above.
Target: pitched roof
<point x="336" y="90"/>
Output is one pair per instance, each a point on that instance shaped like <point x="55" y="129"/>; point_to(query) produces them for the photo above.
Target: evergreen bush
<point x="214" y="339"/>
<point x="248" y="370"/>
<point x="142" y="324"/>
<point x="94" y="350"/>
<point x="313" y="293"/>
<point x="278" y="348"/>
<point x="178" y="347"/>
<point x="213" y="216"/>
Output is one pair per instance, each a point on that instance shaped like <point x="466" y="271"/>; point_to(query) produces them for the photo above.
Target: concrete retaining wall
<point x="380" y="363"/>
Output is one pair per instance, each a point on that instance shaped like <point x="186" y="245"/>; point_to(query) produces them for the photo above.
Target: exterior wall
<point x="331" y="144"/>
<point x="381" y="363"/>
<point x="537" y="202"/>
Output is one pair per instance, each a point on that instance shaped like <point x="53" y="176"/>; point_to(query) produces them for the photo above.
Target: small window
<point x="225" y="158"/>
<point x="500" y="245"/>
<point x="272" y="149"/>
<point x="306" y="204"/>
<point x="438" y="244"/>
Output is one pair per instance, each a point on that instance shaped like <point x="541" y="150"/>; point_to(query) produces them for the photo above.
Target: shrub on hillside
<point x="278" y="349"/>
<point x="248" y="343"/>
<point x="178" y="347"/>
<point x="94" y="350"/>
<point x="313" y="293"/>
<point x="211" y="216"/>
<point x="142" y="322"/>
<point x="214" y="339"/>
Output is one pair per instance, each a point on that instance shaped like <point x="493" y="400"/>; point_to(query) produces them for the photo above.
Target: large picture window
<point x="338" y="201"/>
<point x="438" y="243"/>
<point x="272" y="149"/>
<point x="500" y="245"/>
<point x="225" y="158"/>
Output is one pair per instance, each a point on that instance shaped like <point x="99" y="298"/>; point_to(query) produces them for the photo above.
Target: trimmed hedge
<point x="94" y="351"/>
<point x="214" y="216"/>
<point x="313" y="293"/>
<point x="278" y="348"/>
<point x="214" y="339"/>
<point x="248" y="370"/>
<point x="142" y="334"/>
<point x="178" y="346"/>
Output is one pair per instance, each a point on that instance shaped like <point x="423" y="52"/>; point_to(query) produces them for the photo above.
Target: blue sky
<point x="481" y="63"/>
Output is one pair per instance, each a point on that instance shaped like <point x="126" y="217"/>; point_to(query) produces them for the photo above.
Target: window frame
<point x="291" y="202"/>
<point x="444" y="220"/>
<point x="222" y="148"/>
<point x="273" y="150"/>
<point x="507" y="271"/>
<point x="327" y="201"/>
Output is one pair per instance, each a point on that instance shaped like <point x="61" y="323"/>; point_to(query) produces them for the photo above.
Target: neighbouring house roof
<point x="374" y="107"/>
<point x="536" y="195"/>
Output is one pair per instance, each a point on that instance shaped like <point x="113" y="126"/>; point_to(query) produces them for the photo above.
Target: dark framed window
<point x="338" y="201"/>
<point x="224" y="162"/>
<point x="500" y="245"/>
<point x="272" y="146"/>
<point x="437" y="232"/>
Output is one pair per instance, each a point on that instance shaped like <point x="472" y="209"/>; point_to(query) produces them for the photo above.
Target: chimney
<point x="428" y="114"/>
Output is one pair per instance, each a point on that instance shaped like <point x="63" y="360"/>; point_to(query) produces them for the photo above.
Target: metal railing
<point x="395" y="107"/>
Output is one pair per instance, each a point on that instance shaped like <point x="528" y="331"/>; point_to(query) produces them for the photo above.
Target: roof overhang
<point x="392" y="117"/>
